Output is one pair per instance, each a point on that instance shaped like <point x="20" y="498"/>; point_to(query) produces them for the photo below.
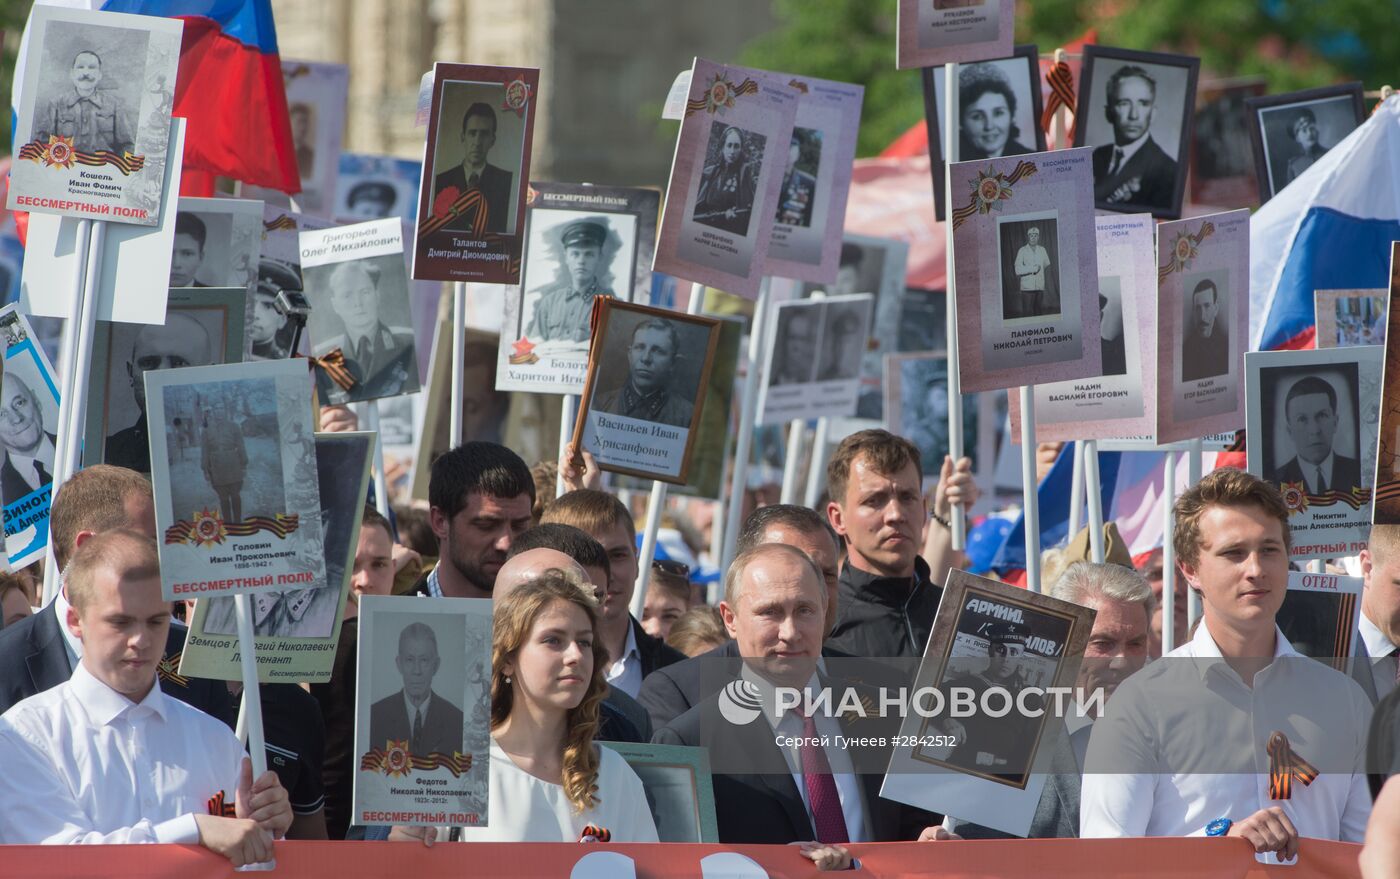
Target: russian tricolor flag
<point x="229" y="89"/>
<point x="1330" y="229"/>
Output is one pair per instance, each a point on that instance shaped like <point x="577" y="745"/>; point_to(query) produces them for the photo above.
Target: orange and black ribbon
<point x="220" y="807"/>
<point x="334" y="365"/>
<point x="390" y="763"/>
<point x="280" y="525"/>
<point x="1285" y="764"/>
<point x="60" y="151"/>
<point x="470" y="201"/>
<point x="594" y="833"/>
<point x="1061" y="83"/>
<point x="1388" y="491"/>
<point x="166" y="670"/>
<point x="1184" y="250"/>
<point x="282" y="223"/>
<point x="983" y="204"/>
<point x="716" y="97"/>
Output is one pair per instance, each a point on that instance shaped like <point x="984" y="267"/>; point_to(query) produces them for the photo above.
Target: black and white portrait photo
<point x="845" y="327"/>
<point x="1205" y="338"/>
<point x="799" y="187"/>
<point x="1319" y="614"/>
<point x="1136" y="110"/>
<point x="573" y="258"/>
<point x="663" y="371"/>
<point x="916" y="406"/>
<point x="479" y="149"/>
<point x="815" y="358"/>
<point x="1312" y="425"/>
<point x="28" y="429"/>
<point x="1292" y="131"/>
<point x="217" y="243"/>
<point x="729" y="182"/>
<point x="1112" y="337"/>
<point x="375" y="187"/>
<point x="303" y="119"/>
<point x="360" y="309"/>
<point x="795" y="338"/>
<point x="999" y="108"/>
<point x="424" y="708"/>
<point x="1030" y="267"/>
<point x="317" y="94"/>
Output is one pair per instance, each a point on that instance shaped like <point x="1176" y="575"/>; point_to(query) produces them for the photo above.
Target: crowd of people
<point x="101" y="744"/>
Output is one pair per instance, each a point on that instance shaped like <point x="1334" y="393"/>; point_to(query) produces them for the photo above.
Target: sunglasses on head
<point x="675" y="569"/>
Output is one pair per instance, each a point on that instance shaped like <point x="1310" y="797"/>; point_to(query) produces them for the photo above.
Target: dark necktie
<point x="473" y="182"/>
<point x="822" y="798"/>
<point x="1117" y="161"/>
<point x="44" y="477"/>
<point x="415" y="742"/>
<point x="1321" y="481"/>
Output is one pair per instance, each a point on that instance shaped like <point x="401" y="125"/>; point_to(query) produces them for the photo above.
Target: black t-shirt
<point x="296" y="744"/>
<point x="337" y="701"/>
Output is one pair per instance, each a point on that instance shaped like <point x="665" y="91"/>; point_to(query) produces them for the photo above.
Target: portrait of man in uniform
<point x="648" y="394"/>
<point x="416" y="713"/>
<point x="1310" y="417"/>
<point x="799" y="188"/>
<point x="795" y="344"/>
<point x="476" y="173"/>
<point x="180" y="342"/>
<point x="562" y="310"/>
<point x="303" y="138"/>
<point x="1205" y="346"/>
<point x="187" y="254"/>
<point x="996" y="746"/>
<point x="1133" y="171"/>
<point x="379" y="357"/>
<point x="371" y="200"/>
<point x="95" y="119"/>
<point x="267" y="323"/>
<point x="223" y="458"/>
<point x="29" y="449"/>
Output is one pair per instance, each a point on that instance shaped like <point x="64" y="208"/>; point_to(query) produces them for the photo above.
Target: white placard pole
<point x="748" y="412"/>
<point x="459" y="359"/>
<point x="252" y="698"/>
<point x="568" y="414"/>
<point x="1076" y="491"/>
<point x="955" y="416"/>
<point x="381" y="482"/>
<point x="1095" y="494"/>
<point x="657" y="501"/>
<point x="797" y="440"/>
<point x="1169" y="633"/>
<point x="816" y="474"/>
<point x="1030" y="490"/>
<point x="1193" y="475"/>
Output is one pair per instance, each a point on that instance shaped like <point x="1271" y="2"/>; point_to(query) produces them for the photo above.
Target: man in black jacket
<point x="888" y="593"/>
<point x="39" y="652"/>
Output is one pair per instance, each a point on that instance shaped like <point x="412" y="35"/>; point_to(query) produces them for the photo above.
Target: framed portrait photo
<point x="1222" y="163"/>
<point x="1312" y="436"/>
<point x="377" y="187"/>
<point x="1292" y="131"/>
<point x="581" y="242"/>
<point x="988" y="768"/>
<point x="815" y="354"/>
<point x="1027" y="270"/>
<point x="270" y="333"/>
<point x="999" y="107"/>
<point x="938" y="31"/>
<point x="28" y="438"/>
<point x="678" y="788"/>
<point x="476" y="163"/>
<point x="1320" y="615"/>
<point x="1135" y="110"/>
<point x="1350" y="317"/>
<point x="648" y="373"/>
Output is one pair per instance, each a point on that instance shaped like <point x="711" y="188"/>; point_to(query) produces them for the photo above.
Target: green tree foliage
<point x="1293" y="44"/>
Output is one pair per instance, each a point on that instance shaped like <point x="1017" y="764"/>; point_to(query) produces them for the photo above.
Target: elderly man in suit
<point x="1310" y="410"/>
<point x="415" y="714"/>
<point x="474" y="172"/>
<point x="1133" y="172"/>
<point x="29" y="449"/>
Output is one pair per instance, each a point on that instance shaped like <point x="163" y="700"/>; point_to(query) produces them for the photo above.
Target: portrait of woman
<point x="987" y="107"/>
<point x="729" y="182"/>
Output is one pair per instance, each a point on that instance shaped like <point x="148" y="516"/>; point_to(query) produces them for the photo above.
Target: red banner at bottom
<point x="1042" y="859"/>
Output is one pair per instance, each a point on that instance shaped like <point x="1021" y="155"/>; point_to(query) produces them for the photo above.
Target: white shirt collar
<point x="24" y="464"/>
<point x="103" y="704"/>
<point x="1377" y="644"/>
<point x="1130" y="149"/>
<point x="1203" y="646"/>
<point x="1310" y="470"/>
<point x="414" y="710"/>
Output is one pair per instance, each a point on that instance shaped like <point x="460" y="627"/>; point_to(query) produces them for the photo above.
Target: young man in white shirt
<point x="107" y="757"/>
<point x="1217" y="738"/>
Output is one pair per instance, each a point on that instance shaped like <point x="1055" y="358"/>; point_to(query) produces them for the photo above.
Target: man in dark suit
<point x="1133" y="172"/>
<point x="775" y="606"/>
<point x="1310" y="409"/>
<point x="379" y="356"/>
<point x="478" y="136"/>
<point x="181" y="341"/>
<point x="29" y="449"/>
<point x="799" y="188"/>
<point x="1205" y="345"/>
<point x="417" y="715"/>
<point x="39" y="652"/>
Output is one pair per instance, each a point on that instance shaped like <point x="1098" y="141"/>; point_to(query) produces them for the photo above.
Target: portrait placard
<point x="1387" y="498"/>
<point x="722" y="198"/>
<point x="316" y="97"/>
<point x="361" y="325"/>
<point x="998" y="108"/>
<point x="438" y="773"/>
<point x="476" y="161"/>
<point x="377" y="187"/>
<point x="237" y="504"/>
<point x="28" y="435"/>
<point x="1203" y="325"/>
<point x="811" y="207"/>
<point x="271" y="333"/>
<point x="1320" y="615"/>
<point x="1122" y="401"/>
<point x="1312" y="435"/>
<point x="1350" y="317"/>
<point x="581" y="242"/>
<point x="1290" y="132"/>
<point x="916" y="407"/>
<point x="203" y="326"/>
<point x="986" y="768"/>
<point x="1141" y="136"/>
<point x="678" y="787"/>
<point x="1222" y="168"/>
<point x="815" y="350"/>
<point x="1028" y="286"/>
<point x="938" y="31"/>
<point x="108" y="161"/>
<point x="648" y="374"/>
<point x="296" y="630"/>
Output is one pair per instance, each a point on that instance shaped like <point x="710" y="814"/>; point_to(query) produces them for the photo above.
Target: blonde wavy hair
<point x="514" y="617"/>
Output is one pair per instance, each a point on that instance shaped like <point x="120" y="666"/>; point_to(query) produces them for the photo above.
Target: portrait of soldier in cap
<point x="371" y="200"/>
<point x="562" y="311"/>
<point x="267" y="325"/>
<point x="648" y="393"/>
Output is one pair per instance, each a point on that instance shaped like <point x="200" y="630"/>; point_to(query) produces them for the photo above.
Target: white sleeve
<point x="1356" y="812"/>
<point x="1114" y="802"/>
<point x="634" y="816"/>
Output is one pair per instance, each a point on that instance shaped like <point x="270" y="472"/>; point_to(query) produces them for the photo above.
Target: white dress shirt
<point x="418" y="712"/>
<point x="24" y="464"/>
<point x="1378" y="648"/>
<point x="84" y="764"/>
<point x="1186" y="723"/>
<point x="1310" y="472"/>
<point x="842" y="772"/>
<point x="1125" y="152"/>
<point x="626" y="673"/>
